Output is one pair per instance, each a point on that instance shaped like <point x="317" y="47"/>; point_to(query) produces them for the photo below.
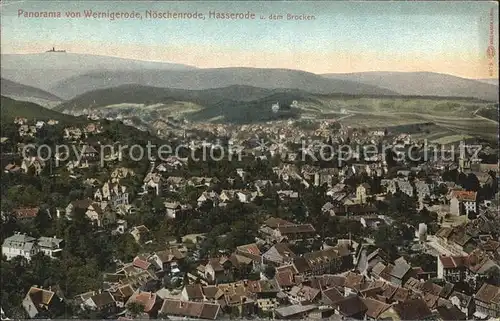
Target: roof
<point x="212" y="292"/>
<point x="284" y="278"/>
<point x="400" y="270"/>
<point x="378" y="268"/>
<point x="375" y="307"/>
<point x="200" y="310"/>
<point x="449" y="313"/>
<point x="18" y="240"/>
<point x="102" y="299"/>
<point x="169" y="255"/>
<point x="40" y="296"/>
<point x="251" y="249"/>
<point x="26" y="212"/>
<point x="350" y="306"/>
<point x="296" y="228"/>
<point x="453" y="262"/>
<point x="142" y="264"/>
<point x="294" y="309"/>
<point x="326" y="281"/>
<point x="215" y="263"/>
<point x="488" y="293"/>
<point x="465" y="196"/>
<point x="415" y="309"/>
<point x="353" y="280"/>
<point x="146" y="299"/>
<point x="331" y="296"/>
<point x="281" y="249"/>
<point x="49" y="242"/>
<point x="306" y="292"/>
<point x="321" y="257"/>
<point x="194" y="291"/>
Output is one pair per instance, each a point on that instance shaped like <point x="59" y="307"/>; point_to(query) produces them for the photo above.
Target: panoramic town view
<point x="250" y="160"/>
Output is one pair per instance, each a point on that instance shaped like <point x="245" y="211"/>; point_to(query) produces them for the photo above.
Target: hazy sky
<point x="447" y="37"/>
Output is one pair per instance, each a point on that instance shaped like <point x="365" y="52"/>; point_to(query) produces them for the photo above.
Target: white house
<point x="19" y="245"/>
<point x="50" y="246"/>
<point x="463" y="202"/>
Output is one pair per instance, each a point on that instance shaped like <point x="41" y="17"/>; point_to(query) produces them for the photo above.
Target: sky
<point x="445" y="37"/>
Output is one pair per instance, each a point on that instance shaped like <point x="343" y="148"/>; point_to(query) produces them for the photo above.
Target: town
<point x="274" y="233"/>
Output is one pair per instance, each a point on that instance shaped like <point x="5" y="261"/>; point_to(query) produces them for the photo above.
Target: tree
<point x="135" y="308"/>
<point x="493" y="275"/>
<point x="269" y="271"/>
<point x="471" y="183"/>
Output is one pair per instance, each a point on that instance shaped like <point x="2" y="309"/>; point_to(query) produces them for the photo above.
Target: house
<point x="296" y="311"/>
<point x="120" y="293"/>
<point x="39" y="302"/>
<point x="238" y="298"/>
<point x="375" y="308"/>
<point x="32" y="163"/>
<point x="153" y="181"/>
<point x="140" y="233"/>
<point x="303" y="294"/>
<point x="452" y="268"/>
<point x="74" y="206"/>
<point x="88" y="152"/>
<point x="148" y="300"/>
<point x="319" y="262"/>
<point x="218" y="270"/>
<point x="287" y="194"/>
<point x="463" y="203"/>
<point x="250" y="251"/>
<point x="25" y="213"/>
<point x="414" y="309"/>
<point x="172" y="208"/>
<point x="487" y="300"/>
<point x="292" y="232"/>
<point x="19" y="245"/>
<point x="285" y="277"/>
<point x="103" y="302"/>
<point x="278" y="254"/>
<point x="168" y="260"/>
<point x="208" y="196"/>
<point x="464" y="302"/>
<point x="50" y="246"/>
<point x="351" y="307"/>
<point x="192" y="292"/>
<point x="331" y="296"/>
<point x="362" y="192"/>
<point x="175" y="182"/>
<point x="12" y="168"/>
<point x="190" y="310"/>
<point x="397" y="274"/>
<point x="405" y="187"/>
<point x="328" y="209"/>
<point x="113" y="192"/>
<point x="265" y="292"/>
<point x="422" y="189"/>
<point x="100" y="214"/>
<point x="449" y="313"/>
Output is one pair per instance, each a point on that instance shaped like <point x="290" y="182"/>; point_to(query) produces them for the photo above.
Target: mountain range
<point x="28" y="93"/>
<point x="423" y="84"/>
<point x="68" y="75"/>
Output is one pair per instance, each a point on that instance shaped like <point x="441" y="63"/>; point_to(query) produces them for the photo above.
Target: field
<point x="439" y="120"/>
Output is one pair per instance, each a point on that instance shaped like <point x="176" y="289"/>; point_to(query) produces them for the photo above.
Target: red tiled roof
<point x="191" y="309"/>
<point x="285" y="278"/>
<point x="467" y="196"/>
<point x="141" y="264"/>
<point x="453" y="262"/>
<point x="26" y="212"/>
